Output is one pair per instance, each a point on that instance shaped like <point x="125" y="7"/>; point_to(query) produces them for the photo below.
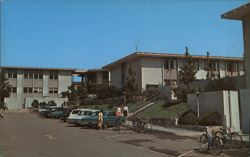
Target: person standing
<point x="100" y="120"/>
<point x="125" y="110"/>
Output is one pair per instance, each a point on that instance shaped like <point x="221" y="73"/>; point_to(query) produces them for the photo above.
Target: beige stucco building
<point x="154" y="69"/>
<point x="42" y="84"/>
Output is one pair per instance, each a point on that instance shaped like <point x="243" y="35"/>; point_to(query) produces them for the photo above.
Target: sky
<point x="88" y="34"/>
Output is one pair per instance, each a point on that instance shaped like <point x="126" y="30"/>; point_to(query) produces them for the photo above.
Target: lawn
<point x="160" y="110"/>
<point x="131" y="106"/>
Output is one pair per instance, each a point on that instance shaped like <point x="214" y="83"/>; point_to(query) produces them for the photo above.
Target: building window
<point x="232" y="67"/>
<point x="53" y="90"/>
<point x="28" y="75"/>
<point x="197" y="65"/>
<point x="38" y="90"/>
<point x="166" y="64"/>
<point x="169" y="64"/>
<point x="12" y="75"/>
<point x="27" y="90"/>
<point x="38" y="76"/>
<point x="53" y="76"/>
<point x="13" y="89"/>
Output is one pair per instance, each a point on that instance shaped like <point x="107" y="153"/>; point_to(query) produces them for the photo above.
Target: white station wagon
<point x="77" y="115"/>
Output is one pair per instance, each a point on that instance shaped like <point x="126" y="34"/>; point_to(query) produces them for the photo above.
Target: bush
<point x="211" y="119"/>
<point x="189" y="118"/>
<point x="42" y="104"/>
<point x="35" y="103"/>
<point x="105" y="91"/>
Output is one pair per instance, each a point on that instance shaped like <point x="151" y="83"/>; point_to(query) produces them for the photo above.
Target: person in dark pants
<point x="125" y="110"/>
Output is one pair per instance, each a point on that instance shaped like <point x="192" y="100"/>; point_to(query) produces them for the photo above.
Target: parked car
<point x="52" y="112"/>
<point x="55" y="112"/>
<point x="76" y="115"/>
<point x="66" y="113"/>
<point x="109" y="119"/>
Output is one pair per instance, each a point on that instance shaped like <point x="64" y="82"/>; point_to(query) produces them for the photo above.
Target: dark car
<point x="66" y="113"/>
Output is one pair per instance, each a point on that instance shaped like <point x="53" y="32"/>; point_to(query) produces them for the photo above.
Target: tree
<point x="210" y="68"/>
<point x="76" y="95"/>
<point x="186" y="76"/>
<point x="105" y="91"/>
<point x="35" y="103"/>
<point x="5" y="88"/>
<point x="130" y="86"/>
<point x="82" y="93"/>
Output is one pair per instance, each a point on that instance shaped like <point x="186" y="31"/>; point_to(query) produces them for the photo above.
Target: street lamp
<point x="198" y="103"/>
<point x="124" y="101"/>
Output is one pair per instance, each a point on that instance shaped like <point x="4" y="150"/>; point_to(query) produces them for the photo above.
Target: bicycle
<point x="213" y="142"/>
<point x="141" y="125"/>
<point x="233" y="138"/>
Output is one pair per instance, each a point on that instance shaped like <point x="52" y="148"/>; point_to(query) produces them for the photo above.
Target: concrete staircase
<point x="149" y="103"/>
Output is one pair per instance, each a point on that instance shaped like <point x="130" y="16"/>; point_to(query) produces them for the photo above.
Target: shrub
<point x="105" y="91"/>
<point x="211" y="119"/>
<point x="189" y="118"/>
<point x="35" y="103"/>
<point x="42" y="104"/>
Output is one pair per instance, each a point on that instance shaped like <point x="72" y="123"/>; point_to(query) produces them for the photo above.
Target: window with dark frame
<point x="53" y="76"/>
<point x="13" y="89"/>
<point x="166" y="64"/>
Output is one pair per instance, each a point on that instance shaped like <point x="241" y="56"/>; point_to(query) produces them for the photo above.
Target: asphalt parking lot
<point x="28" y="135"/>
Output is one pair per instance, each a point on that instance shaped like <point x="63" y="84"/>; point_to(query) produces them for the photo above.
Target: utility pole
<point x="136" y="46"/>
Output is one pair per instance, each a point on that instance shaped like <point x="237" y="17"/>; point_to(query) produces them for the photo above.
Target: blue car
<point x="109" y="119"/>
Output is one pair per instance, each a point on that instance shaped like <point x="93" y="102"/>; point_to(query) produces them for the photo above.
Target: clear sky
<point x="92" y="33"/>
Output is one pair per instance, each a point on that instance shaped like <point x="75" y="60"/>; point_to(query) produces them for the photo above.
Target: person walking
<point x="100" y="120"/>
<point x="125" y="110"/>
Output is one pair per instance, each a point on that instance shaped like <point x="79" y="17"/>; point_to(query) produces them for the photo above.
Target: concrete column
<point x="246" y="35"/>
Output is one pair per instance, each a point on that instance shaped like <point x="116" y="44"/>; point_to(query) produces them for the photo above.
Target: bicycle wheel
<point x="217" y="145"/>
<point x="204" y="143"/>
<point x="221" y="135"/>
<point x="236" y="140"/>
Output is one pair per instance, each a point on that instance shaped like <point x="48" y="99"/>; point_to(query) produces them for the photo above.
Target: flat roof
<point x="37" y="68"/>
<point x="166" y="55"/>
<point x="237" y="13"/>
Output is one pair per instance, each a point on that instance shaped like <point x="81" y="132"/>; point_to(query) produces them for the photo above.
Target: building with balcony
<point x="42" y="84"/>
<point x="161" y="69"/>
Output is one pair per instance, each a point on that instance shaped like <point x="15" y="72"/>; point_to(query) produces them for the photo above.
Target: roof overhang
<point x="36" y="68"/>
<point x="137" y="55"/>
<point x="238" y="14"/>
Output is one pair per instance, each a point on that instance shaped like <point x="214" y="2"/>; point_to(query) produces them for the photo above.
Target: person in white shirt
<point x="125" y="110"/>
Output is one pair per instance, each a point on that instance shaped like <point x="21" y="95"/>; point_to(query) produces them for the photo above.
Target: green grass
<point x="104" y="107"/>
<point x="159" y="110"/>
<point x="131" y="106"/>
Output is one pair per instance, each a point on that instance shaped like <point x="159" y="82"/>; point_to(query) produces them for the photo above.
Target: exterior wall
<point x="245" y="108"/>
<point x="64" y="81"/>
<point x="152" y="71"/>
<point x="201" y="73"/>
<point x="99" y="79"/>
<point x="16" y="100"/>
<point x="136" y="65"/>
<point x="224" y="102"/>
<point x="46" y="84"/>
<point x="246" y="35"/>
<point x="116" y="79"/>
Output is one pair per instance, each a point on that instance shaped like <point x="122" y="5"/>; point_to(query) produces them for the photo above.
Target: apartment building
<point x="154" y="69"/>
<point x="29" y="83"/>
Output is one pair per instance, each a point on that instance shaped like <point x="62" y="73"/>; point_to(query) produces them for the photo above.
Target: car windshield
<point x="75" y="112"/>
